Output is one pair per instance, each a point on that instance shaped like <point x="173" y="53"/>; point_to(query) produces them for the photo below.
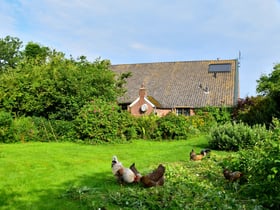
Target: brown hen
<point x="232" y="176"/>
<point x="156" y="178"/>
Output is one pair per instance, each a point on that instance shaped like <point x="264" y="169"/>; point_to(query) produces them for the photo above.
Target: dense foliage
<point x="56" y="89"/>
<point x="102" y="121"/>
<point x="10" y="53"/>
<point x="261" y="165"/>
<point x="236" y="136"/>
<point x="255" y="110"/>
<point x="262" y="108"/>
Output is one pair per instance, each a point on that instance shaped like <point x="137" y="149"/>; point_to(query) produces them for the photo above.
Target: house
<point x="182" y="86"/>
<point x="142" y="105"/>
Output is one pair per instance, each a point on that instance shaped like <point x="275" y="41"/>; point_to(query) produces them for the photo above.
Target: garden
<point x="60" y="126"/>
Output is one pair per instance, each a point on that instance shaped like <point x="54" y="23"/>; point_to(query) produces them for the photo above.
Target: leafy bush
<point x="255" y="110"/>
<point x="23" y="130"/>
<point x="147" y="127"/>
<point x="56" y="89"/>
<point x="236" y="136"/>
<point x="218" y="115"/>
<point x="100" y="121"/>
<point x="5" y="124"/>
<point x="54" y="130"/>
<point x="200" y="123"/>
<point x="172" y="126"/>
<point x="261" y="166"/>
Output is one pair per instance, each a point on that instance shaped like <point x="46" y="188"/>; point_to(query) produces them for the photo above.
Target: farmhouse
<point x="180" y="87"/>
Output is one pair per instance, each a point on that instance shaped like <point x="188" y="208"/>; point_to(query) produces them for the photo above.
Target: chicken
<point x="203" y="153"/>
<point x="155" y="178"/>
<point x="136" y="172"/>
<point x="122" y="174"/>
<point x="232" y="176"/>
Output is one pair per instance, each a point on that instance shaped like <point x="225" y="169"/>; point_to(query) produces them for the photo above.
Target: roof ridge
<point x="190" y="61"/>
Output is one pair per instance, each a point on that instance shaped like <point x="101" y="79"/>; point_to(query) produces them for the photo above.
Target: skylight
<point x="223" y="67"/>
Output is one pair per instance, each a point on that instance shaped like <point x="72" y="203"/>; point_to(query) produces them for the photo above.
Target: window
<point x="183" y="111"/>
<point x="223" y="67"/>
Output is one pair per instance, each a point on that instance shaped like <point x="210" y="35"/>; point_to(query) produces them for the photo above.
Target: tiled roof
<point x="182" y="84"/>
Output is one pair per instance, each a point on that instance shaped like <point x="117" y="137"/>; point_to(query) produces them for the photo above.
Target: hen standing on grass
<point x="203" y="153"/>
<point x="123" y="174"/>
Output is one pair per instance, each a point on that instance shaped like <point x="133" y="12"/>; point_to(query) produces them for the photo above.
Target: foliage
<point x="236" y="136"/>
<point x="203" y="121"/>
<point x="147" y="127"/>
<point x="6" y="121"/>
<point x="23" y="130"/>
<point x="270" y="84"/>
<point x="187" y="186"/>
<point x="260" y="165"/>
<point x="255" y="110"/>
<point x="172" y="126"/>
<point x="36" y="51"/>
<point x="100" y="121"/>
<point x="57" y="89"/>
<point x="219" y="114"/>
<point x="9" y="52"/>
<point x="54" y="130"/>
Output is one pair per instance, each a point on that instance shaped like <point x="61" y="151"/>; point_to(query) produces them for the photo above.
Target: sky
<point x="130" y="31"/>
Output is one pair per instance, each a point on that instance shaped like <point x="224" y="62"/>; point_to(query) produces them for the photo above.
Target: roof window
<point x="223" y="67"/>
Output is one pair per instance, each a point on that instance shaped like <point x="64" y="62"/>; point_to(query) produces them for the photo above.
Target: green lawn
<point x="36" y="175"/>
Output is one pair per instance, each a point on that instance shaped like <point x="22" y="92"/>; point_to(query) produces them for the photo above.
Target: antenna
<point x="239" y="58"/>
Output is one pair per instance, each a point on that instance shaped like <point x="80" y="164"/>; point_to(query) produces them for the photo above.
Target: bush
<point x="147" y="127"/>
<point x="100" y="121"/>
<point x="5" y="124"/>
<point x="54" y="130"/>
<point x="236" y="136"/>
<point x="23" y="130"/>
<point x="261" y="166"/>
<point x="172" y="126"/>
<point x="56" y="89"/>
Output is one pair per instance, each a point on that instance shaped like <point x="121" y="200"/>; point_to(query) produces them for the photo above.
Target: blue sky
<point x="130" y="31"/>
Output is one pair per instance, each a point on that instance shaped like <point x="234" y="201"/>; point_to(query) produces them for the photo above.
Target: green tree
<point x="36" y="51"/>
<point x="10" y="53"/>
<point x="58" y="88"/>
<point x="269" y="86"/>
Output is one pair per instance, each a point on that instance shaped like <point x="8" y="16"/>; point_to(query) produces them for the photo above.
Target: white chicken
<point x="122" y="174"/>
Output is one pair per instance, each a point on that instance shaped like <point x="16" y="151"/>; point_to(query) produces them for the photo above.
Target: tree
<point x="58" y="88"/>
<point x="36" y="51"/>
<point x="10" y="52"/>
<point x="269" y="86"/>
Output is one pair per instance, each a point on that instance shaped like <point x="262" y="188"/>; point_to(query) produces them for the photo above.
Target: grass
<point x="40" y="175"/>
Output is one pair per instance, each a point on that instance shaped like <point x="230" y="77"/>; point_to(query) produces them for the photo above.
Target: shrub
<point x="218" y="115"/>
<point x="261" y="165"/>
<point x="23" y="130"/>
<point x="5" y="124"/>
<point x="236" y="136"/>
<point x="172" y="126"/>
<point x="54" y="130"/>
<point x="147" y="127"/>
<point x="100" y="121"/>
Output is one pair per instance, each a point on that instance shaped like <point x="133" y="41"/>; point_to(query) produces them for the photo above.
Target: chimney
<point x="142" y="91"/>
